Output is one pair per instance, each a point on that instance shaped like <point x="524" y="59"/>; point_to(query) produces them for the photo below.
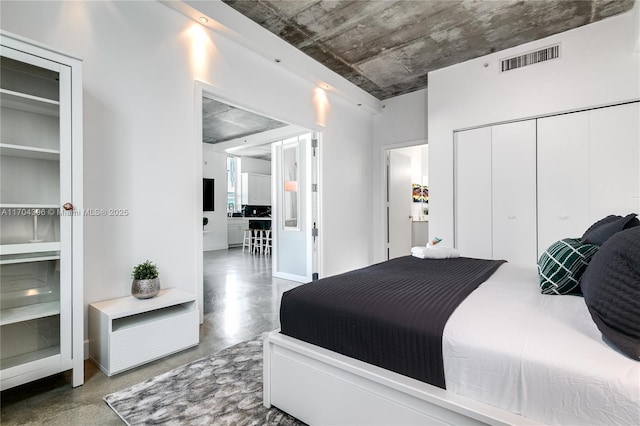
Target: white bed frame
<point x="321" y="387"/>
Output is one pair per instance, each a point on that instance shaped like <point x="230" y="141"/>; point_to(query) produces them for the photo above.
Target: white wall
<point x="254" y="165"/>
<point x="140" y="63"/>
<point x="636" y="23"/>
<point x="214" y="166"/>
<point x="345" y="190"/>
<point x="598" y="66"/>
<point x="403" y="122"/>
<point x="425" y="164"/>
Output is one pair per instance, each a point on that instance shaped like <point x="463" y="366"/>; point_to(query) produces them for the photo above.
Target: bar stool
<point x="267" y="242"/>
<point x="257" y="241"/>
<point x="246" y="239"/>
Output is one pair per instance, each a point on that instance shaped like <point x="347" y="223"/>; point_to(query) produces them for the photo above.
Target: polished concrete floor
<point x="241" y="300"/>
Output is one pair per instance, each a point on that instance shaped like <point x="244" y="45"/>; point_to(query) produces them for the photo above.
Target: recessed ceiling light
<point x="203" y="20"/>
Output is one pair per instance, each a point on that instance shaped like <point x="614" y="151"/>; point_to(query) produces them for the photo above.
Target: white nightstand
<point x="127" y="332"/>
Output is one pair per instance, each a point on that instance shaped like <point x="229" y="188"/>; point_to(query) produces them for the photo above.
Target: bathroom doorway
<point x="407" y="199"/>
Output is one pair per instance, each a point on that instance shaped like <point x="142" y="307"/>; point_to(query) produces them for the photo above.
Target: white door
<point x="563" y="173"/>
<point x="399" y="195"/>
<point x="473" y="219"/>
<point x="292" y="219"/>
<point x="513" y="171"/>
<point x="587" y="169"/>
<point x="614" y="152"/>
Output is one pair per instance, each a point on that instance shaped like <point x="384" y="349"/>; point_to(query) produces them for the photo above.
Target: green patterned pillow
<point x="561" y="265"/>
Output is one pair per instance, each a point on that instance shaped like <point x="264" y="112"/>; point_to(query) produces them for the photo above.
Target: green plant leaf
<point x="145" y="271"/>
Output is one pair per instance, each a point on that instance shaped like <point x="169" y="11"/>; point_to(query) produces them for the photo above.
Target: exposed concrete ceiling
<point x="222" y="122"/>
<point x="387" y="47"/>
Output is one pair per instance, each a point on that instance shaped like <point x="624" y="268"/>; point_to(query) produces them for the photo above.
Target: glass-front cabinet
<point x="41" y="314"/>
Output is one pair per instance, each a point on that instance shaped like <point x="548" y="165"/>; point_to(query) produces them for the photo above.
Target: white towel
<point x="434" y="252"/>
<point x="418" y="252"/>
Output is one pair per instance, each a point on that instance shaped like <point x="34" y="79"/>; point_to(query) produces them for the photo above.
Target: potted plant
<point x="145" y="281"/>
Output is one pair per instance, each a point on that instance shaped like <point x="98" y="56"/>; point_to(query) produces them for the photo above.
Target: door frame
<point x="384" y="150"/>
<point x="205" y="89"/>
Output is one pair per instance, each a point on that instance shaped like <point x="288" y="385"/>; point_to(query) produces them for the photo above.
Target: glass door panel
<point x="29" y="308"/>
<point x="292" y="209"/>
<point x="33" y="233"/>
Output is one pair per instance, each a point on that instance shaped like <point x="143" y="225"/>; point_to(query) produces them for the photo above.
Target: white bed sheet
<point x="539" y="356"/>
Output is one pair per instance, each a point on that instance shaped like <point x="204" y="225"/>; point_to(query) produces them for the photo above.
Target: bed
<point x="510" y="355"/>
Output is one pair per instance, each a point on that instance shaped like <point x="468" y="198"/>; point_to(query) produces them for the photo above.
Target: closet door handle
<point x="511" y="216"/>
<point x="67" y="206"/>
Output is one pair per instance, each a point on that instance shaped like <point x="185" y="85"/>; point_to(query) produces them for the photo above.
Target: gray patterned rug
<point x="221" y="389"/>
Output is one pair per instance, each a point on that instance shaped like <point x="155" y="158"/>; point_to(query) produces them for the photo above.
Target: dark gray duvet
<point x="391" y="314"/>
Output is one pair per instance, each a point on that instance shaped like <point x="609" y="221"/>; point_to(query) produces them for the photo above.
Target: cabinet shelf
<point x="30" y="357"/>
<point x="150" y="317"/>
<point x="29" y="257"/>
<point x="29" y="103"/>
<point x="8" y="249"/>
<point x="21" y="297"/>
<point x="10" y="150"/>
<point x="29" y="312"/>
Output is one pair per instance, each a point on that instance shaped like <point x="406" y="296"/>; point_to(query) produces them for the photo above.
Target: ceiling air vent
<point x="531" y="58"/>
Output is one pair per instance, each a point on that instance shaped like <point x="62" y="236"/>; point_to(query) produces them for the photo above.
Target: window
<point x="233" y="185"/>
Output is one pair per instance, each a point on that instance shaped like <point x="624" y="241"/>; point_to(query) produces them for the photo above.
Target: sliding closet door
<point x="513" y="153"/>
<point x="614" y="180"/>
<point x="563" y="175"/>
<point x="473" y="193"/>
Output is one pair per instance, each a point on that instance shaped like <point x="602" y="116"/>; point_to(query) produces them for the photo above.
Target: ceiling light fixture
<point x="203" y="20"/>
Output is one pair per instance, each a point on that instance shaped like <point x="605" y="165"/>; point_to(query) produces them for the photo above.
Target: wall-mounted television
<point x="208" y="195"/>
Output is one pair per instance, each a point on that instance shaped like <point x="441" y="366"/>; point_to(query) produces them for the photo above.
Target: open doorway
<point x="248" y="151"/>
<point x="407" y="199"/>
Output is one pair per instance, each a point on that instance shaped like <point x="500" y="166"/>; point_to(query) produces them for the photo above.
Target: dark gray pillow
<point x="611" y="289"/>
<point x="603" y="229"/>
